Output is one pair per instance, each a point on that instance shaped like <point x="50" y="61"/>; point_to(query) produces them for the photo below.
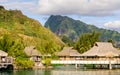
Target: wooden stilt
<point x="110" y="65"/>
<point x="84" y="66"/>
<point x="93" y="66"/>
<point x="76" y="66"/>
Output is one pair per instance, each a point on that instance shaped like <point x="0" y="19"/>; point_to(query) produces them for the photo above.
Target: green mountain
<point x="29" y="31"/>
<point x="72" y="29"/>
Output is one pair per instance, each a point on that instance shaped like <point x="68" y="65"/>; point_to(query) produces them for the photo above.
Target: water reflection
<point x="61" y="72"/>
<point x="2" y="72"/>
<point x="29" y="72"/>
<point x="90" y="72"/>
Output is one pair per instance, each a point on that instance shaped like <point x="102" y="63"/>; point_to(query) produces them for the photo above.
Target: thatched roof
<point x="102" y="49"/>
<point x="74" y="53"/>
<point x="2" y="53"/>
<point x="32" y="51"/>
<point x="68" y="51"/>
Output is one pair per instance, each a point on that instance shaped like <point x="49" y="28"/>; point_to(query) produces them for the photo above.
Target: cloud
<point x="81" y="7"/>
<point x="66" y="7"/>
<point x="28" y="5"/>
<point x="1" y="1"/>
<point x="113" y="25"/>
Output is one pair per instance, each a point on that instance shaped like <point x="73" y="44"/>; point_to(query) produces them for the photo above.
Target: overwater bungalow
<point x="102" y="51"/>
<point x="5" y="60"/>
<point x="33" y="53"/>
<point x="35" y="56"/>
<point x="68" y="53"/>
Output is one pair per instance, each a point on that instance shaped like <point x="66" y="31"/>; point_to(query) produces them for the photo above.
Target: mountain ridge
<point x="65" y="26"/>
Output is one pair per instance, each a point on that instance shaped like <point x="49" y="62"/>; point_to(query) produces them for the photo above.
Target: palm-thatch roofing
<point x="102" y="49"/>
<point x="32" y="51"/>
<point x="2" y="53"/>
<point x="68" y="51"/>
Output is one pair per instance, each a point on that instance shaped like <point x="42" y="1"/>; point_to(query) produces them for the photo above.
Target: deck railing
<point x="85" y="62"/>
<point x="6" y="60"/>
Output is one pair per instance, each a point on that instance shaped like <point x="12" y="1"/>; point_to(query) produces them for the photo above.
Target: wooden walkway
<point x="84" y="62"/>
<point x="95" y="62"/>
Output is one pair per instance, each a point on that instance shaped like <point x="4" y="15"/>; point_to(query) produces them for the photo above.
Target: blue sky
<point x="102" y="13"/>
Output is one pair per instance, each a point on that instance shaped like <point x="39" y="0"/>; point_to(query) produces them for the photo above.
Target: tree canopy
<point x="86" y="41"/>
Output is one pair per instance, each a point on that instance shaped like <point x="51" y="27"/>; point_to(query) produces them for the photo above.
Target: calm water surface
<point x="61" y="72"/>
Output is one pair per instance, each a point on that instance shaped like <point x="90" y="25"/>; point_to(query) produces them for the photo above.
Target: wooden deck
<point x="6" y="62"/>
<point x="85" y="62"/>
<point x="95" y="62"/>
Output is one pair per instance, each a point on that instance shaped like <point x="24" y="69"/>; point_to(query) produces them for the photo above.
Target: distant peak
<point x="55" y="16"/>
<point x="58" y="16"/>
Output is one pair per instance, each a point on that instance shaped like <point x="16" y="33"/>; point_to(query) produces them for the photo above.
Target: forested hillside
<point x="69" y="29"/>
<point x="17" y="31"/>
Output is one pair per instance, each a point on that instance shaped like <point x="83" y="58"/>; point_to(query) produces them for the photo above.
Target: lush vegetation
<point x="15" y="48"/>
<point x="18" y="31"/>
<point x="86" y="41"/>
<point x="72" y="29"/>
<point x="23" y="63"/>
<point x="47" y="62"/>
<point x="67" y="40"/>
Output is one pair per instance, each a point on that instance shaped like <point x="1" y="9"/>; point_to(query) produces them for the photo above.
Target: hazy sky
<point x="102" y="13"/>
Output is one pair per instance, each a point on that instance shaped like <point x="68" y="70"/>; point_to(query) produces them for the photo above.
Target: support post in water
<point x="110" y="65"/>
<point x="76" y="66"/>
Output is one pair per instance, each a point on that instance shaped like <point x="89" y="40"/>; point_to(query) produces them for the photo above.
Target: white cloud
<point x="1" y="1"/>
<point x="81" y="7"/>
<point x="113" y="25"/>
